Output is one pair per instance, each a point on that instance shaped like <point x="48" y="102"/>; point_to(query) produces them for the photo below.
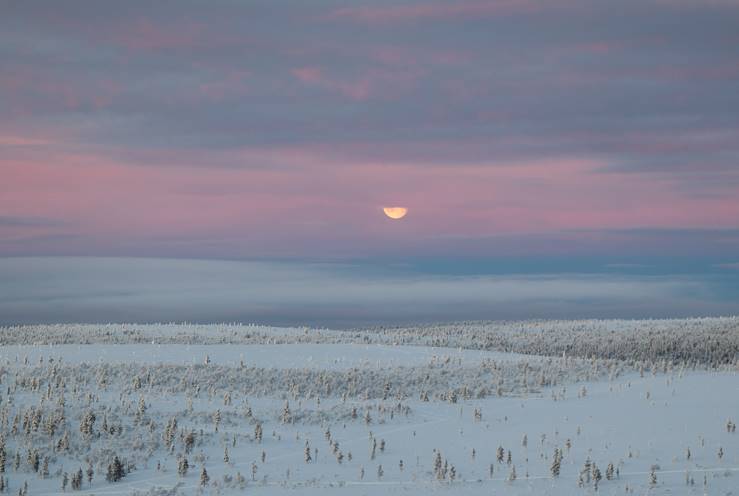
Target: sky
<point x="578" y="135"/>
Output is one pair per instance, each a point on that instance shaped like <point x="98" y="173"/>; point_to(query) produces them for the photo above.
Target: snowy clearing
<point x="299" y="411"/>
<point x="317" y="356"/>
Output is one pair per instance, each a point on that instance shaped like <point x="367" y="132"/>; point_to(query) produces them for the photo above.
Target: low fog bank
<point x="62" y="289"/>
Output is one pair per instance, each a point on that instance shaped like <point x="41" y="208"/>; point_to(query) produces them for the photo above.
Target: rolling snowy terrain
<point x="537" y="407"/>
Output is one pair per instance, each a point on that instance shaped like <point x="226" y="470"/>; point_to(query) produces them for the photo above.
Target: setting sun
<point x="395" y="212"/>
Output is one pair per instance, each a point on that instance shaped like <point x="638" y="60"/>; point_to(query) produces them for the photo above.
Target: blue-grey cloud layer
<point x="35" y="290"/>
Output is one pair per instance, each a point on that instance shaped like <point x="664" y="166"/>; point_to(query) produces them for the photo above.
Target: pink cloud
<point x="358" y="90"/>
<point x="697" y="3"/>
<point x="233" y="83"/>
<point x="29" y="90"/>
<point x="600" y="47"/>
<point x="308" y="74"/>
<point x="6" y="140"/>
<point x="144" y="35"/>
<point x="398" y="56"/>
<point x="379" y="83"/>
<point x="430" y="10"/>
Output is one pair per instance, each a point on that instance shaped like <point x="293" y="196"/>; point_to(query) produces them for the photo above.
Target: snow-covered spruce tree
<point x="77" y="478"/>
<point x="586" y="470"/>
<point x="87" y="424"/>
<point x="182" y="467"/>
<point x="286" y="416"/>
<point x="115" y="470"/>
<point x="189" y="441"/>
<point x="217" y="419"/>
<point x="141" y="408"/>
<point x="204" y="477"/>
<point x="438" y="463"/>
<point x="556" y="463"/>
<point x="33" y="460"/>
<point x="170" y="431"/>
<point x="597" y="476"/>
<point x="258" y="433"/>
<point x="609" y="471"/>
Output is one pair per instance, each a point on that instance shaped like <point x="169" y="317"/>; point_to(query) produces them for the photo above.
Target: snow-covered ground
<point x="316" y="356"/>
<point x="640" y="416"/>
